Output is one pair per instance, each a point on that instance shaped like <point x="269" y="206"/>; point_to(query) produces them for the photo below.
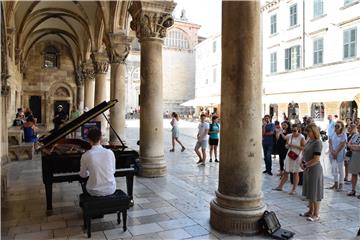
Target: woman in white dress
<point x="175" y="132"/>
<point x="295" y="142"/>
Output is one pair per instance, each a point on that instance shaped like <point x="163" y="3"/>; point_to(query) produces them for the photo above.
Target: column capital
<point x="79" y="76"/>
<point x="101" y="62"/>
<point x="88" y="71"/>
<point x="151" y="18"/>
<point x="119" y="47"/>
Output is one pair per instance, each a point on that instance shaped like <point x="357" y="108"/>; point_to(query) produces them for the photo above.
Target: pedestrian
<point x="60" y="117"/>
<point x="281" y="142"/>
<point x="202" y="140"/>
<point x="268" y="130"/>
<point x="277" y="131"/>
<point x="331" y="126"/>
<point x="175" y="132"/>
<point x="75" y="113"/>
<point x="313" y="180"/>
<point x="214" y="130"/>
<point x="354" y="163"/>
<point x="295" y="143"/>
<point x="351" y="130"/>
<point x="29" y="128"/>
<point x="337" y="143"/>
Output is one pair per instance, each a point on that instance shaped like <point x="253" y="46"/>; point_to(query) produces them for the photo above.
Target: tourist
<point x="29" y="128"/>
<point x="351" y="130"/>
<point x="60" y="118"/>
<point x="281" y="142"/>
<point x="354" y="164"/>
<point x="75" y="113"/>
<point x="295" y="143"/>
<point x="175" y="132"/>
<point x="277" y="131"/>
<point x="313" y="187"/>
<point x="214" y="130"/>
<point x="268" y="130"/>
<point x="331" y="126"/>
<point x="202" y="140"/>
<point x="19" y="120"/>
<point x="98" y="164"/>
<point x="28" y="113"/>
<point x="337" y="143"/>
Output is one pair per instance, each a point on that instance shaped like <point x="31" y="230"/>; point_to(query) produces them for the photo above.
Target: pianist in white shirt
<point x="98" y="164"/>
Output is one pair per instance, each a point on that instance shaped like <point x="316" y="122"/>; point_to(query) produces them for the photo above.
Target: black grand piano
<point x="61" y="156"/>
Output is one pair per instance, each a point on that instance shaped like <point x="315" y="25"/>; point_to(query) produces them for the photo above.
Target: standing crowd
<point x="299" y="147"/>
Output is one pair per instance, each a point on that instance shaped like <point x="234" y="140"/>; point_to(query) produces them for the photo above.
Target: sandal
<point x="293" y="192"/>
<point x="307" y="214"/>
<point x="183" y="149"/>
<point x="313" y="219"/>
<point x="172" y="150"/>
<point x="352" y="193"/>
<point x="277" y="189"/>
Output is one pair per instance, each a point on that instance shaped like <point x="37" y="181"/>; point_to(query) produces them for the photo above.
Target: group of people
<point x="299" y="148"/>
<point x="208" y="134"/>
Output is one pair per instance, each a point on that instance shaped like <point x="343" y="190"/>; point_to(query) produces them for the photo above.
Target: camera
<point x="324" y="136"/>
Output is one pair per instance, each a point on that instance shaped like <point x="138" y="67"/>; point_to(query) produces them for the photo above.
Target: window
<point x="214" y="75"/>
<point x="292" y="58"/>
<point x="293" y="112"/>
<point x="50" y="57"/>
<point x="273" y="24"/>
<point x="273" y="62"/>
<point x="318" y="50"/>
<point x="214" y="46"/>
<point x="318" y="8"/>
<point x="347" y="2"/>
<point x="293" y="15"/>
<point x="350" y="43"/>
<point x="317" y="111"/>
<point x="177" y="39"/>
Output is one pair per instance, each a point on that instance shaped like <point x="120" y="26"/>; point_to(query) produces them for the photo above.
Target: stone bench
<point x="92" y="206"/>
<point x="23" y="151"/>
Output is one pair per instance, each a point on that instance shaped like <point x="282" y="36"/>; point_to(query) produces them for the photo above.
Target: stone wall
<point x="51" y="84"/>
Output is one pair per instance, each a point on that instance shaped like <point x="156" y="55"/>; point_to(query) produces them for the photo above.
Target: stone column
<point x="238" y="204"/>
<point x="119" y="50"/>
<point x="89" y="85"/>
<point x="80" y="98"/>
<point x="150" y="21"/>
<point x="101" y="63"/>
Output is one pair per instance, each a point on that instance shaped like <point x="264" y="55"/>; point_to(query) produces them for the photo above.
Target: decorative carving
<point x="88" y="71"/>
<point x="79" y="76"/>
<point x="119" y="47"/>
<point x="101" y="63"/>
<point x="62" y="92"/>
<point x="151" y="18"/>
<point x="5" y="89"/>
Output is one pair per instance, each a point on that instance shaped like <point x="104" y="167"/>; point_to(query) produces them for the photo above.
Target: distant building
<point x="179" y="74"/>
<point x="311" y="58"/>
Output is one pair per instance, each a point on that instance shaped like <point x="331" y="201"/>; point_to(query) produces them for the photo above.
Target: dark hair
<point x="19" y="109"/>
<point x="277" y="122"/>
<point x="267" y="115"/>
<point x="336" y="116"/>
<point x="94" y="134"/>
<point x="30" y="118"/>
<point x="202" y="115"/>
<point x="214" y="118"/>
<point x="17" y="115"/>
<point x="174" y="114"/>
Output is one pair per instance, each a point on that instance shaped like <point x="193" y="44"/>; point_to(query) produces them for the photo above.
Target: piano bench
<point x="23" y="151"/>
<point x="93" y="206"/>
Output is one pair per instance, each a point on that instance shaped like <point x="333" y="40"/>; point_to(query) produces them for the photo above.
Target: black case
<point x="272" y="226"/>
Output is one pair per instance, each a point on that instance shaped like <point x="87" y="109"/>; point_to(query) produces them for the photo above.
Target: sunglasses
<point x="337" y="126"/>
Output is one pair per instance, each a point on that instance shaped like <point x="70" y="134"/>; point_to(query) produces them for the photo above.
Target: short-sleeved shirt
<point x="312" y="147"/>
<point x="214" y="127"/>
<point x="269" y="139"/>
<point x="202" y="128"/>
<point x="331" y="128"/>
<point x="336" y="140"/>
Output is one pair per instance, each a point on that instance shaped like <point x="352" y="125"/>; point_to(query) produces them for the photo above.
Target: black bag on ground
<point x="271" y="225"/>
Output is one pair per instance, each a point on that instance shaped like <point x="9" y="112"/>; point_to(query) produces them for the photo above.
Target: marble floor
<point x="171" y="207"/>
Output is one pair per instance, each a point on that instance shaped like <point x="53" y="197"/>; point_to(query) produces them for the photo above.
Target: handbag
<point x="291" y="154"/>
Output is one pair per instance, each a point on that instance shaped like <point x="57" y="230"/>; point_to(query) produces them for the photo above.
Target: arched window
<point x="50" y="57"/>
<point x="317" y="111"/>
<point x="177" y="39"/>
<point x="348" y="110"/>
<point x="273" y="111"/>
<point x="293" y="111"/>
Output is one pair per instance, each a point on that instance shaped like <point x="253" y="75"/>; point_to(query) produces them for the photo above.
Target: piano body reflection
<point x="61" y="156"/>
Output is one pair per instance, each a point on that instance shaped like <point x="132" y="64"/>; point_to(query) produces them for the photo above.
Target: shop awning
<point x="203" y="101"/>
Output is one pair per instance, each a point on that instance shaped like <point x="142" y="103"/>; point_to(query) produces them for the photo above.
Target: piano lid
<point x="68" y="127"/>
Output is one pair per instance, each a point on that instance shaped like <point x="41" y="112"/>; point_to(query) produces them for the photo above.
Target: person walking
<point x="202" y="140"/>
<point x="175" y="132"/>
<point x="268" y="130"/>
<point x="313" y="179"/>
<point x="295" y="143"/>
<point x="354" y="163"/>
<point x="214" y="130"/>
<point x="281" y="142"/>
<point x="351" y="130"/>
<point x="337" y="143"/>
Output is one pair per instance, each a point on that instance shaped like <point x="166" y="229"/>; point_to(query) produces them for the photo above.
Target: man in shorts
<point x="202" y="140"/>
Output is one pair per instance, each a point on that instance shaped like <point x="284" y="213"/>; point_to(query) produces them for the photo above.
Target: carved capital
<point x="101" y="63"/>
<point x="79" y="76"/>
<point x="151" y="18"/>
<point x="88" y="71"/>
<point x="119" y="47"/>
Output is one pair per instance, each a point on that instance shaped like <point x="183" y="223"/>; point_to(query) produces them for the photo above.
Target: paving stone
<point x="196" y="230"/>
<point x="53" y="225"/>
<point x="177" y="223"/>
<point x="174" y="234"/>
<point x="117" y="233"/>
<point x="140" y="213"/>
<point x="35" y="235"/>
<point x="144" y="229"/>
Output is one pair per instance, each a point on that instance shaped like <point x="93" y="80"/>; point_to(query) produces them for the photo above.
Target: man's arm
<point x="271" y="132"/>
<point x="83" y="168"/>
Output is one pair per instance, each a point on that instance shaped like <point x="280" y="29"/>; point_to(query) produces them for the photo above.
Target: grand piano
<point x="61" y="156"/>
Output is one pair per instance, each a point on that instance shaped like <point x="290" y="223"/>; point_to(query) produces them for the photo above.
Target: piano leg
<point x="129" y="188"/>
<point x="48" y="191"/>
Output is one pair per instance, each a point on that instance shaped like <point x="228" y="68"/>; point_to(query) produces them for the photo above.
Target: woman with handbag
<point x="295" y="143"/>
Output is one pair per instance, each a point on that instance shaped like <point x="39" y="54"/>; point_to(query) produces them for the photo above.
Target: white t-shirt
<point x="99" y="165"/>
<point x="202" y="131"/>
<point x="336" y="140"/>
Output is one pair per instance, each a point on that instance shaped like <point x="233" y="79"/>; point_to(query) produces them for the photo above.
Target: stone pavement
<point x="171" y="207"/>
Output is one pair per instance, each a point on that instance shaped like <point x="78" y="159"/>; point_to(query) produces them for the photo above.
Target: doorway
<point x="64" y="104"/>
<point x="35" y="106"/>
<point x="348" y="110"/>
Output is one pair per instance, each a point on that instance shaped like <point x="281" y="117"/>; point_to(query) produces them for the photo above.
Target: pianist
<point x="98" y="164"/>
